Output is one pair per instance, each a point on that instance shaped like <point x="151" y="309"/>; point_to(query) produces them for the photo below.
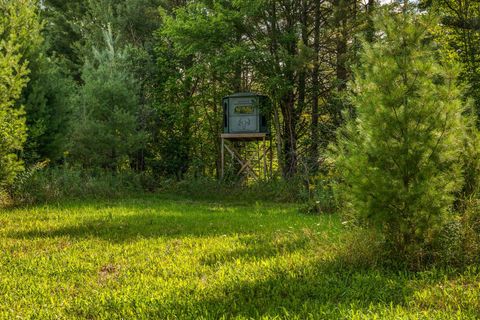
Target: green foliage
<point x="399" y="158"/>
<point x="19" y="32"/>
<point x="470" y="160"/>
<point x="105" y="128"/>
<point x="458" y="244"/>
<point x="189" y="54"/>
<point x="197" y="57"/>
<point x="40" y="184"/>
<point x="76" y="26"/>
<point x="471" y="231"/>
<point x="459" y="31"/>
<point x="47" y="100"/>
<point x="213" y="189"/>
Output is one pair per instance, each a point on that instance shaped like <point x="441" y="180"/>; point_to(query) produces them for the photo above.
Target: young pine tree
<point x="105" y="124"/>
<point x="399" y="156"/>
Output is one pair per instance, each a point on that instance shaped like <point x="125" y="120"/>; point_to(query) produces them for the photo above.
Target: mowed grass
<point x="162" y="257"/>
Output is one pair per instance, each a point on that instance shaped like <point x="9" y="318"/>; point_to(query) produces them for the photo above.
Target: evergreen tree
<point x="105" y="127"/>
<point x="19" y="32"/>
<point x="399" y="158"/>
<point x="47" y="106"/>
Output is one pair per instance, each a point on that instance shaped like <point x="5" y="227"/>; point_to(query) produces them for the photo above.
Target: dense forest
<point x="373" y="106"/>
<point x="137" y="84"/>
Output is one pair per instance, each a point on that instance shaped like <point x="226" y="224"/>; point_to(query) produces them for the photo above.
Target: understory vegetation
<point x="55" y="184"/>
<point x="169" y="257"/>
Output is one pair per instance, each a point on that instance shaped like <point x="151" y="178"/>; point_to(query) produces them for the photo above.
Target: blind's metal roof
<point x="244" y="94"/>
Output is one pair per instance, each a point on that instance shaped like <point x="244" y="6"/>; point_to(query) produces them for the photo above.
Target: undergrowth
<point x="42" y="184"/>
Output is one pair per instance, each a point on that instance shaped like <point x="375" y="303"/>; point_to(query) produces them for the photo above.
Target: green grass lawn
<point x="163" y="257"/>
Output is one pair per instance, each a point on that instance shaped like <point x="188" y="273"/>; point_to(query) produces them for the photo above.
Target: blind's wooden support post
<point x="222" y="174"/>
<point x="265" y="173"/>
<point x="271" y="158"/>
<point x="250" y="161"/>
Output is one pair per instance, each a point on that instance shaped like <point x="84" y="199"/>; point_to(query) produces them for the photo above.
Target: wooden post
<point x="222" y="174"/>
<point x="264" y="158"/>
<point x="249" y="161"/>
<point x="271" y="157"/>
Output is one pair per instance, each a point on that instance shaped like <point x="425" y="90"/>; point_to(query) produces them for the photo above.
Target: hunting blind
<point x="245" y="113"/>
<point x="246" y="135"/>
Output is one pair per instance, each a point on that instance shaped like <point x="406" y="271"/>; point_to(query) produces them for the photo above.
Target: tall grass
<point x="43" y="185"/>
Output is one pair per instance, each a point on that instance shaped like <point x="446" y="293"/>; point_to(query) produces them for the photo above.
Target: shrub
<point x="470" y="160"/>
<point x="320" y="198"/>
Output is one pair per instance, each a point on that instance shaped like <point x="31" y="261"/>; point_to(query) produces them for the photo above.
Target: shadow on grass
<point x="135" y="227"/>
<point x="324" y="291"/>
<point x="256" y="247"/>
<point x="156" y="218"/>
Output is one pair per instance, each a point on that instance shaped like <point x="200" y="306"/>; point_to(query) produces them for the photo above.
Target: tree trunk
<point x="341" y="8"/>
<point x="290" y="135"/>
<point x="370" y="32"/>
<point x="315" y="90"/>
<point x="289" y="112"/>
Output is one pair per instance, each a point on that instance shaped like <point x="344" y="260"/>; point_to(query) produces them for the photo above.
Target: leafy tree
<point x="19" y="32"/>
<point x="460" y="31"/>
<point x="199" y="59"/>
<point x="399" y="158"/>
<point x="105" y="124"/>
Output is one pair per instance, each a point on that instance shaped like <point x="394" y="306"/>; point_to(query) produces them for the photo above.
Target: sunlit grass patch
<point x="165" y="257"/>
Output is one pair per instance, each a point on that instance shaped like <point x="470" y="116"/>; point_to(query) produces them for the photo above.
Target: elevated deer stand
<point x="255" y="161"/>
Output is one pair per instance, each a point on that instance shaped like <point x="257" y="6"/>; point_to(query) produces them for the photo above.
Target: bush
<point x="471" y="227"/>
<point x="448" y="249"/>
<point x="470" y="220"/>
<point x="458" y="244"/>
<point x="470" y="160"/>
